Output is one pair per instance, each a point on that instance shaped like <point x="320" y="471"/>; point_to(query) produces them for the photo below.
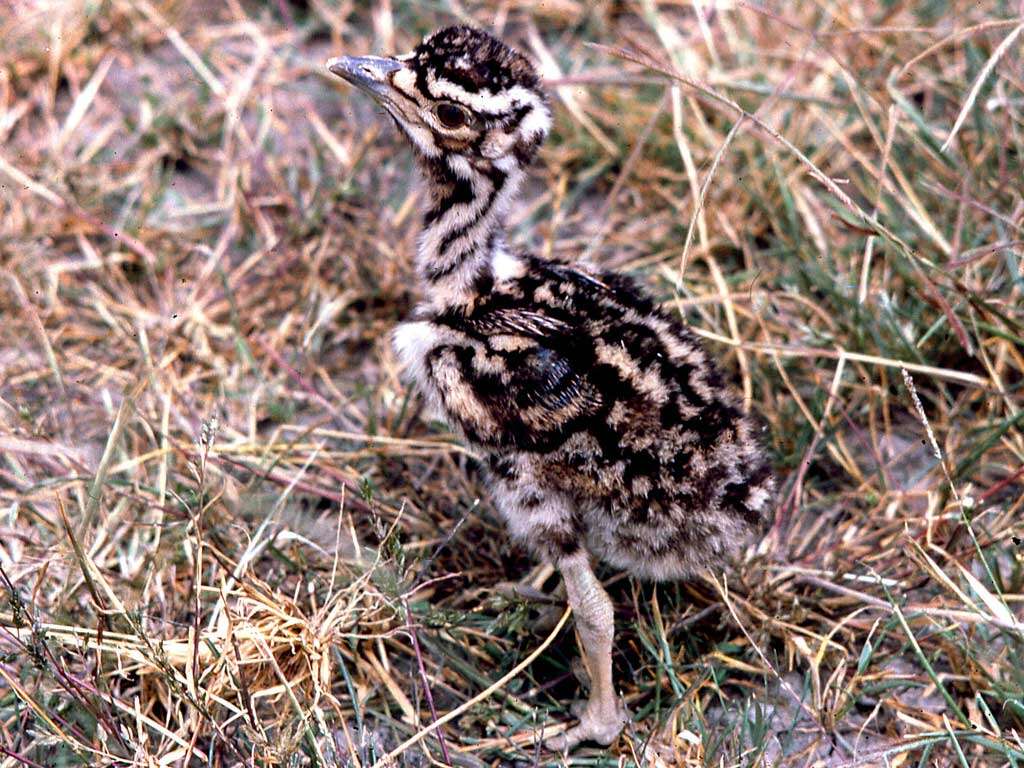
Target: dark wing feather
<point x="547" y="391"/>
<point x="525" y="322"/>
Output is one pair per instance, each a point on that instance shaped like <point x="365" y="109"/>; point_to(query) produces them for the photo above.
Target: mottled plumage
<point x="607" y="428"/>
<point x="578" y="387"/>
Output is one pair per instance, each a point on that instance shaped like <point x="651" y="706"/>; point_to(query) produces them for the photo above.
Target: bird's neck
<point x="463" y="227"/>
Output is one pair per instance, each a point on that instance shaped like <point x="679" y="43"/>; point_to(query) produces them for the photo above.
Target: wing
<point x="525" y="322"/>
<point x="522" y="381"/>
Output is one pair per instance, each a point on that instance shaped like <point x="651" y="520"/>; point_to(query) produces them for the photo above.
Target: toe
<point x="601" y="729"/>
<point x="604" y="728"/>
<point x="605" y="732"/>
<point x="559" y="743"/>
<point x="566" y="742"/>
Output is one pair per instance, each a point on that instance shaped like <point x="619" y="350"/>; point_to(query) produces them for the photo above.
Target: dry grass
<point x="226" y="536"/>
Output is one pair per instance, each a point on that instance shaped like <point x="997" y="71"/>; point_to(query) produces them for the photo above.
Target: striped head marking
<point x="460" y="93"/>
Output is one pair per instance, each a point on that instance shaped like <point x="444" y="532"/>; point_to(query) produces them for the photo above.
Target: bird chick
<point x="608" y="431"/>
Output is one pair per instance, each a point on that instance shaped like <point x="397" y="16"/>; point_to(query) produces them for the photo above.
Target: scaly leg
<point x="603" y="716"/>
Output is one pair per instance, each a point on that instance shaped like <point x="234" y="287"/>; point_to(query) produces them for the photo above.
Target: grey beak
<point x="368" y="73"/>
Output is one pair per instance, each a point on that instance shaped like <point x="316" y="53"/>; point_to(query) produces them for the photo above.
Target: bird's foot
<point x="598" y="722"/>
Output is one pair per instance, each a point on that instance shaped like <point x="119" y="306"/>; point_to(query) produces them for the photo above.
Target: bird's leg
<point x="602" y="717"/>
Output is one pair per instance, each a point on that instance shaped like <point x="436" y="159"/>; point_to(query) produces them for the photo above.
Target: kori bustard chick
<point x="608" y="430"/>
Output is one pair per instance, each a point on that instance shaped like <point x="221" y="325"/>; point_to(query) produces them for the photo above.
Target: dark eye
<point x="451" y="115"/>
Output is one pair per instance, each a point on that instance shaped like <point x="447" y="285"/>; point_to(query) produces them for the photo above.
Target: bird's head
<point x="461" y="93"/>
